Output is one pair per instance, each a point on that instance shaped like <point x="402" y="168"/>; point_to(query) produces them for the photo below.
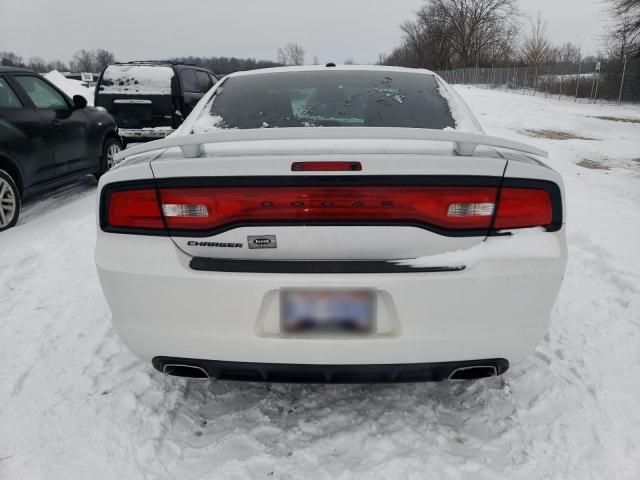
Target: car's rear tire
<point x="110" y="147"/>
<point x="9" y="201"/>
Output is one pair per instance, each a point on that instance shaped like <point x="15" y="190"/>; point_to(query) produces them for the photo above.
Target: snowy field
<point x="75" y="404"/>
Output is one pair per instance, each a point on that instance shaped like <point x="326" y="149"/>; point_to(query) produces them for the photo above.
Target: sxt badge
<point x="262" y="241"/>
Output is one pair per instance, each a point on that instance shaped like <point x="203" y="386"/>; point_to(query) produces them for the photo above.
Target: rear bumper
<point x="283" y="373"/>
<point x="497" y="309"/>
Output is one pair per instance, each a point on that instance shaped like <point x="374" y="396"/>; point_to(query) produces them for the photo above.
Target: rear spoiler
<point x="465" y="143"/>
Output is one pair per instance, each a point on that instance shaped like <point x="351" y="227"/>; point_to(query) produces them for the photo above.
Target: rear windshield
<point x="331" y="99"/>
<point x="137" y="80"/>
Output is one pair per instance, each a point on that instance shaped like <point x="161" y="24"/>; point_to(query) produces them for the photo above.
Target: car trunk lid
<point x="399" y="202"/>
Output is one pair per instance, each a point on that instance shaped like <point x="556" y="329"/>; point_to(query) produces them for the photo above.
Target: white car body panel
<point x="496" y="308"/>
<point x="328" y="243"/>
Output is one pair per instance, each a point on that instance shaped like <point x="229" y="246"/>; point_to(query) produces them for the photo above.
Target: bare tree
<point x="34" y="63"/>
<point x="102" y="58"/>
<point x="416" y="39"/>
<point x="536" y="49"/>
<point x="291" y="54"/>
<point x="349" y="61"/>
<point x="569" y="53"/>
<point x="10" y="59"/>
<point x="476" y="26"/>
<point x="625" y="32"/>
<point x="83" y="61"/>
<point x="57" y="65"/>
<point x="448" y="33"/>
<point x="37" y="64"/>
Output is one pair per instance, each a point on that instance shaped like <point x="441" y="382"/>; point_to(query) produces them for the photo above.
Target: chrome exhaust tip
<point x="474" y="372"/>
<point x="185" y="371"/>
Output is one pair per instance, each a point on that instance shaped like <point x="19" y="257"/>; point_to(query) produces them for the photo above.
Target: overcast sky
<point x="331" y="29"/>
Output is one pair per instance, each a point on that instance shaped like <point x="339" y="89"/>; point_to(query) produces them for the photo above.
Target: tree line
<point x="226" y="65"/>
<point x="290" y="54"/>
<point x="95" y="61"/>
<point x="447" y="34"/>
<point x="82" y="61"/>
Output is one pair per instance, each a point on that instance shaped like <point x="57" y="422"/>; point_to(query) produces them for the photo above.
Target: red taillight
<point x="523" y="207"/>
<point x="212" y="208"/>
<point x="209" y="208"/>
<point x="135" y="209"/>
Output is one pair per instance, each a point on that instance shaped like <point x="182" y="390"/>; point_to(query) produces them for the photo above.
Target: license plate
<point x="330" y="311"/>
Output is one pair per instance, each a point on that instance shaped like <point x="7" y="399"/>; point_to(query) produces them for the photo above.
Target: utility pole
<point x="595" y="95"/>
<point x="561" y="81"/>
<point x="624" y="69"/>
<point x="579" y="67"/>
<point x="578" y="80"/>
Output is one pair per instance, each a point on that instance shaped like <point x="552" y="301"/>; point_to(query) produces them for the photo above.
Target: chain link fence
<point x="605" y="81"/>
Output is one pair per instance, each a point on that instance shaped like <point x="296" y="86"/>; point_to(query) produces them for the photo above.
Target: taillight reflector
<point x="135" y="209"/>
<point x="522" y="208"/>
<point x="471" y="209"/>
<point x="184" y="210"/>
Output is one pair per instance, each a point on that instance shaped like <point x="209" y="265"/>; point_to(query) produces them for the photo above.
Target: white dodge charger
<point x="331" y="224"/>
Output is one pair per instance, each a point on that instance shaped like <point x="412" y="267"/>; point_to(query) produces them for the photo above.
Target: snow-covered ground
<point x="75" y="404"/>
<point x="69" y="86"/>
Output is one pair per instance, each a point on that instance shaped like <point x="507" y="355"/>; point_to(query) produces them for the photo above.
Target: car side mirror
<point x="79" y="101"/>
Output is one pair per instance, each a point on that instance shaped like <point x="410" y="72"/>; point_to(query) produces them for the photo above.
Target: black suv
<point x="47" y="139"/>
<point x="149" y="99"/>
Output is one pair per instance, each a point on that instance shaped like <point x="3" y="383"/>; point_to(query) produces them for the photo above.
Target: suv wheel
<point x="9" y="201"/>
<point x="110" y="148"/>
